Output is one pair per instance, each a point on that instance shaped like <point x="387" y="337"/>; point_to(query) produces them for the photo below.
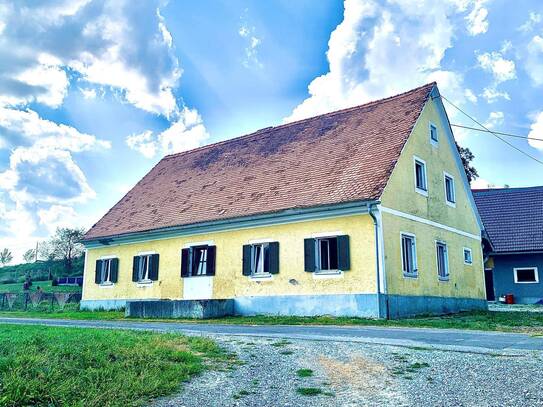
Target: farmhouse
<point x="513" y="219"/>
<point x="361" y="212"/>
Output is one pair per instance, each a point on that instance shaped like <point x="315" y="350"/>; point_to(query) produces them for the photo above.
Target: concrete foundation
<point x="199" y="309"/>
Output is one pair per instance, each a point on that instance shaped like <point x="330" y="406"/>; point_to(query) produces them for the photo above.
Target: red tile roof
<point x="337" y="157"/>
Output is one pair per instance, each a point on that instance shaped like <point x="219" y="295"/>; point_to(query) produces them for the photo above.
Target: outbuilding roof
<point x="512" y="217"/>
<point x="338" y="157"/>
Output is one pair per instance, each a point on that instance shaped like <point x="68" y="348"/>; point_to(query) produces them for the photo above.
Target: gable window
<point x="450" y="193"/>
<point x="198" y="261"/>
<point x="261" y="259"/>
<point x="409" y="255"/>
<point x="433" y="134"/>
<point x="106" y="271"/>
<point x="324" y="254"/>
<point x="442" y="261"/>
<point x="468" y="259"/>
<point x="145" y="268"/>
<point x="526" y="275"/>
<point x="421" y="185"/>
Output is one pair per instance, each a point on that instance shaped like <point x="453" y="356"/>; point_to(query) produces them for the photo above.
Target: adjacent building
<point x="361" y="212"/>
<point x="513" y="220"/>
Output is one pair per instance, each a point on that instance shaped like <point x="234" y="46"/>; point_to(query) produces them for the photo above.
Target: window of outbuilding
<point x="526" y="275"/>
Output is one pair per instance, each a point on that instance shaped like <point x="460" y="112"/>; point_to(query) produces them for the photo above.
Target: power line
<point x="497" y="132"/>
<point x="492" y="132"/>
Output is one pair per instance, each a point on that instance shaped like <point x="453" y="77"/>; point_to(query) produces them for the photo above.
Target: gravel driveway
<point x="356" y="374"/>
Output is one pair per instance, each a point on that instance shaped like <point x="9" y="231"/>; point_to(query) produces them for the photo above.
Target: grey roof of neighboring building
<point x="512" y="218"/>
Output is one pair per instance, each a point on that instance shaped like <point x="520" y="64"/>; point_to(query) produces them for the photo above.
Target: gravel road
<point x="358" y="374"/>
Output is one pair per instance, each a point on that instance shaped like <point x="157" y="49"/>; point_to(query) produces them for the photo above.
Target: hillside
<point x="39" y="271"/>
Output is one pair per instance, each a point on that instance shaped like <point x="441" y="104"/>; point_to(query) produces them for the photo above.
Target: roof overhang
<point x="265" y="219"/>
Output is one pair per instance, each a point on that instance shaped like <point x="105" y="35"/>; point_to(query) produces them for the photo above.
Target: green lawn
<point x="484" y="320"/>
<point x="44" y="285"/>
<point x="48" y="366"/>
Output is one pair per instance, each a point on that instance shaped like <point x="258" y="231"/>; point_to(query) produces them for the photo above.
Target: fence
<point x="69" y="281"/>
<point x="38" y="300"/>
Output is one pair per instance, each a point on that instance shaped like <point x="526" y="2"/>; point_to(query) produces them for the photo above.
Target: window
<point x="409" y="255"/>
<point x="442" y="261"/>
<point x="420" y="177"/>
<point x="145" y="268"/>
<point x="526" y="275"/>
<point x="433" y="134"/>
<point x="198" y="261"/>
<point x="261" y="259"/>
<point x="468" y="259"/>
<point x="450" y="195"/>
<point x="106" y="271"/>
<point x="324" y="254"/>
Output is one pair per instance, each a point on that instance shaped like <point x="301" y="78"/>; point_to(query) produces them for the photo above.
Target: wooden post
<point x="26" y="301"/>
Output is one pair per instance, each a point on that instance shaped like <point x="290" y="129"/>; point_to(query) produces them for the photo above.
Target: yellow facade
<point x="229" y="281"/>
<point x="466" y="281"/>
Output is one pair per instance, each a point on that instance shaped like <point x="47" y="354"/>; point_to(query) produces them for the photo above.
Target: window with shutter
<point x="107" y="271"/>
<point x="198" y="261"/>
<point x="145" y="268"/>
<point x="261" y="259"/>
<point x="331" y="253"/>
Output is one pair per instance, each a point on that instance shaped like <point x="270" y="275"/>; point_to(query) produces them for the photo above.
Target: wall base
<point x="102" y="305"/>
<point x="199" y="309"/>
<point x="401" y="306"/>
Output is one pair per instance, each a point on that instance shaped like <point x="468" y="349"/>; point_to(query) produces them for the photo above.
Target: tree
<point x="30" y="255"/>
<point x="65" y="245"/>
<point x="467" y="157"/>
<point x="5" y="257"/>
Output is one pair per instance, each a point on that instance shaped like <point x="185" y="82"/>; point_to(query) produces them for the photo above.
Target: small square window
<point x="409" y="255"/>
<point x="468" y="259"/>
<point x="442" y="261"/>
<point x="433" y="134"/>
<point x="420" y="176"/>
<point x="450" y="194"/>
<point x="526" y="275"/>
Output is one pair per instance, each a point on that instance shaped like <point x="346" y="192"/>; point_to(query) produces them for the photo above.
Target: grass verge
<point x="528" y="322"/>
<point x="91" y="367"/>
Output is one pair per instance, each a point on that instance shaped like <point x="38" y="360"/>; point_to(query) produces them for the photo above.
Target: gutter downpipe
<point x="371" y="209"/>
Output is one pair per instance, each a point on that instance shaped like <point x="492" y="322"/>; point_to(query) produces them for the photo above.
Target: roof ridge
<point x="265" y="130"/>
<point x="506" y="189"/>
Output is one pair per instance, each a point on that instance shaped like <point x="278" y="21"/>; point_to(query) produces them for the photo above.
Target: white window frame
<point x="431" y="125"/>
<point x="464" y="250"/>
<point x="415" y="272"/>
<point x="419" y="160"/>
<point x="147" y="281"/>
<point x="107" y="279"/>
<point x="108" y="257"/>
<point x="446" y="261"/>
<point x="536" y="275"/>
<point x="445" y="176"/>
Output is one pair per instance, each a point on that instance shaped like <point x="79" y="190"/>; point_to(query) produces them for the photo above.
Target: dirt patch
<point x="359" y="372"/>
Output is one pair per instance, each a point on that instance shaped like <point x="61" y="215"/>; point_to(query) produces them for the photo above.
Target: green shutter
<point x="211" y="254"/>
<point x="98" y="272"/>
<point x="135" y="268"/>
<point x="343" y="254"/>
<point x="185" y="253"/>
<point x="153" y="271"/>
<point x="309" y="255"/>
<point x="246" y="260"/>
<point x="114" y="270"/>
<point x="271" y="264"/>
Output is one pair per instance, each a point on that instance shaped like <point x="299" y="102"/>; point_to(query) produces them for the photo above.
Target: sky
<point x="93" y="93"/>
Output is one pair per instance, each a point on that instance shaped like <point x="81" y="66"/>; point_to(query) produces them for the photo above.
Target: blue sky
<point x="94" y="93"/>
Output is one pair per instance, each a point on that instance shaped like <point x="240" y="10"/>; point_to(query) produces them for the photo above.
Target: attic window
<point x="421" y="185"/>
<point x="433" y="134"/>
<point x="450" y="194"/>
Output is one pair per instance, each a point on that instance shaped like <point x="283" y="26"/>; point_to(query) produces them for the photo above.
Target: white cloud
<point x="533" y="20"/>
<point x="186" y="133"/>
<point x="502" y="69"/>
<point x="58" y="216"/>
<point x="121" y="44"/>
<point x="534" y="60"/>
<point x="378" y="51"/>
<point x="536" y="131"/>
<point x="470" y="96"/>
<point x="491" y="94"/>
<point x="248" y="33"/>
<point x="477" y="22"/>
<point x="494" y="119"/>
<point x="88" y="93"/>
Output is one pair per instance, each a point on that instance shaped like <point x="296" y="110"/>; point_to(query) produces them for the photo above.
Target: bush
<point x="54" y="283"/>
